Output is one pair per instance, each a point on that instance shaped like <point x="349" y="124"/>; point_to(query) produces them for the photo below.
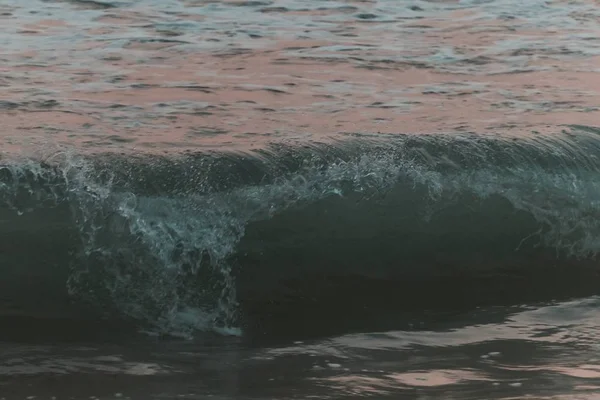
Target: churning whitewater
<point x="185" y="243"/>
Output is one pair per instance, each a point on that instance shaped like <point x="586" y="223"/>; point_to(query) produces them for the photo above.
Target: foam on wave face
<point x="164" y="257"/>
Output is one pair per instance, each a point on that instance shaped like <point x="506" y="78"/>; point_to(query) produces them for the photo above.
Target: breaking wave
<point x="196" y="242"/>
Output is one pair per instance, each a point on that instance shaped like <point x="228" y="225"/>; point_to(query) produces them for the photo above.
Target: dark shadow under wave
<point x="322" y="275"/>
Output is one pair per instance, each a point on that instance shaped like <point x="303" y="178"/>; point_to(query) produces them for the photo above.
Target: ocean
<point x="274" y="199"/>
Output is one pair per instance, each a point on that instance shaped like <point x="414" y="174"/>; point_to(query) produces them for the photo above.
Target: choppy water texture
<point x="310" y="199"/>
<point x="174" y="75"/>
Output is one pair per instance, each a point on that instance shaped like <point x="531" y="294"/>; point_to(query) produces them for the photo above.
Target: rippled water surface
<point x="172" y="75"/>
<point x="175" y="77"/>
<point x="542" y="352"/>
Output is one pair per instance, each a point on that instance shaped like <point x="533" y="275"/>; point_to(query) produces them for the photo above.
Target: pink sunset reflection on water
<point x="137" y="80"/>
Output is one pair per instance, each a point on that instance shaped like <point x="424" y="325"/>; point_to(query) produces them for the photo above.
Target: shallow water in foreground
<point x="543" y="352"/>
<point x="309" y="199"/>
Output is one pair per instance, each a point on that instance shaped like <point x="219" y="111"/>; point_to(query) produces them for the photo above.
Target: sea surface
<point x="310" y="199"/>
